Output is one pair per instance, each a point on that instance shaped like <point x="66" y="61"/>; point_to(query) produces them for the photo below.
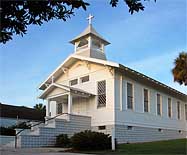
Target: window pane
<point x="158" y="104"/>
<point x="178" y="110"/>
<point x="146" y="104"/>
<point x="129" y="96"/>
<point x="84" y="79"/>
<point x="73" y="82"/>
<point x="169" y="107"/>
<point x="130" y="102"/>
<point x="129" y="89"/>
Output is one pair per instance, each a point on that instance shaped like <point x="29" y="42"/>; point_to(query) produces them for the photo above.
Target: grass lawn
<point x="170" y="147"/>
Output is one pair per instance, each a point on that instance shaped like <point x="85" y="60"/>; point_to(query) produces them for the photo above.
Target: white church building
<point x="88" y="92"/>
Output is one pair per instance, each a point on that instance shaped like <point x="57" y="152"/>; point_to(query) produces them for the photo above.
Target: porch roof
<point x="66" y="89"/>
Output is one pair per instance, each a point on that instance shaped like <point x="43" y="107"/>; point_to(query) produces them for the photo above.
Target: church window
<point x="158" y="104"/>
<point x="186" y="111"/>
<point x="178" y="110"/>
<point x="84" y="79"/>
<point x="169" y="107"/>
<point x="59" y="108"/>
<point x="129" y="96"/>
<point x="73" y="82"/>
<point x="101" y="91"/>
<point x="146" y="100"/>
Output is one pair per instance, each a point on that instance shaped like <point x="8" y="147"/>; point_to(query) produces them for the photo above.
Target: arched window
<point x="83" y="43"/>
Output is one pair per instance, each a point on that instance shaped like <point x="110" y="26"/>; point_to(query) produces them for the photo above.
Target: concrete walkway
<point x="35" y="151"/>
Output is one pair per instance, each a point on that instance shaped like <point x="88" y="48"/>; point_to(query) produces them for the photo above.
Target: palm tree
<point x="40" y="107"/>
<point x="180" y="69"/>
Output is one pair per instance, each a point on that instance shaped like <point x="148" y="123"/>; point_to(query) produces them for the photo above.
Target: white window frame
<point x="133" y="104"/>
<point x="148" y="99"/>
<point x="160" y="104"/>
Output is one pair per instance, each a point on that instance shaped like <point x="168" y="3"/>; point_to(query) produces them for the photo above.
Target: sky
<point x="147" y="42"/>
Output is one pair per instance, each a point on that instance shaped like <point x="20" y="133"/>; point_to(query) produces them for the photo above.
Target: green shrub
<point x="62" y="140"/>
<point x="10" y="131"/>
<point x="89" y="140"/>
<point x="7" y="131"/>
<point x="22" y="125"/>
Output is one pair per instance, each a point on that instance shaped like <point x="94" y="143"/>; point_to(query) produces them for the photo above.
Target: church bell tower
<point x="89" y="43"/>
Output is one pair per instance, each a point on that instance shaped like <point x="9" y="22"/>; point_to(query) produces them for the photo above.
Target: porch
<point x="65" y="99"/>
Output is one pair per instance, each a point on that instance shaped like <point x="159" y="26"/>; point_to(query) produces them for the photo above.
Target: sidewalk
<point x="35" y="151"/>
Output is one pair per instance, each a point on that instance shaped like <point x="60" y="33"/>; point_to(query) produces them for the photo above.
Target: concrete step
<point x="10" y="144"/>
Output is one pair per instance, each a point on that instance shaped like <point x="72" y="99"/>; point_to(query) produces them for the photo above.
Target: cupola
<point x="90" y="43"/>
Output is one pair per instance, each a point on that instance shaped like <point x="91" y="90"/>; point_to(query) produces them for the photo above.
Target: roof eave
<point x="184" y="96"/>
<point x="42" y="85"/>
<point x="42" y="96"/>
<point x="78" y="38"/>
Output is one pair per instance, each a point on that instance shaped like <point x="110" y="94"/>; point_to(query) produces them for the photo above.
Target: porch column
<point x="48" y="109"/>
<point x="69" y="103"/>
<point x="47" y="115"/>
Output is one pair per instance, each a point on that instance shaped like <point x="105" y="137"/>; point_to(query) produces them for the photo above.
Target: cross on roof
<point x="90" y="19"/>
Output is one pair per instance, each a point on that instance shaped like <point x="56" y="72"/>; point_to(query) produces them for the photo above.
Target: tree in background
<point x="180" y="69"/>
<point x="40" y="107"/>
<point x="17" y="15"/>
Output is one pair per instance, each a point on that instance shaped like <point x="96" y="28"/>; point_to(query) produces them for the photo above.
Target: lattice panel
<point x="101" y="87"/>
<point x="101" y="93"/>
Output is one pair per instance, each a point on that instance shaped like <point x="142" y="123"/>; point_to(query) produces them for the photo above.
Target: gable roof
<point x="89" y="31"/>
<point x="11" y="111"/>
<point x="68" y="62"/>
<point x="130" y="72"/>
<point x="63" y="87"/>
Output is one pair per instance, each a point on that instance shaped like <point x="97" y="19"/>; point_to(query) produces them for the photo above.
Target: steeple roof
<point x="89" y="31"/>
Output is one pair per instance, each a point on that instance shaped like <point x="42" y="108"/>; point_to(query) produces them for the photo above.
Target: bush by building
<point x="7" y="131"/>
<point x="89" y="140"/>
<point x="10" y="131"/>
<point x="63" y="140"/>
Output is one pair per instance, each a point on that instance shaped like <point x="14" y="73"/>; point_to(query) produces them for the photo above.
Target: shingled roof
<point x="10" y="111"/>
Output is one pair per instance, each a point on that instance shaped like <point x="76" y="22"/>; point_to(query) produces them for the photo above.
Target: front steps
<point x="45" y="134"/>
